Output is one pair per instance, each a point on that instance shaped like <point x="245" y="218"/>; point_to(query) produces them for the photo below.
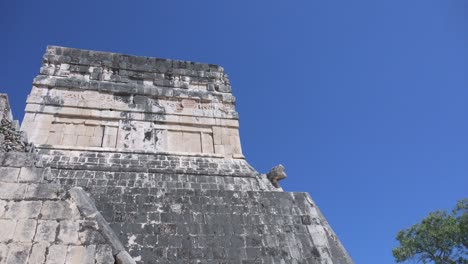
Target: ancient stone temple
<point x="139" y="160"/>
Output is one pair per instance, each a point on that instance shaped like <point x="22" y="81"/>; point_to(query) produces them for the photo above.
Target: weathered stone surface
<point x="68" y="232"/>
<point x="11" y="138"/>
<point x="23" y="209"/>
<point x="9" y="174"/>
<point x="18" y="253"/>
<point x="276" y="174"/>
<point x="38" y="253"/>
<point x="29" y="174"/>
<point x="46" y="231"/>
<point x="104" y="255"/>
<point x="124" y="258"/>
<point x="58" y="210"/>
<point x="155" y="147"/>
<point x="81" y="254"/>
<point x="88" y="209"/>
<point x="7" y="229"/>
<point x="57" y="254"/>
<point x="39" y="223"/>
<point x="138" y="105"/>
<point x="25" y="230"/>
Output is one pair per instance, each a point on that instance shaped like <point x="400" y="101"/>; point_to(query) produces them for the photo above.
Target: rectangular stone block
<point x="8" y="174"/>
<point x="83" y="141"/>
<point x="69" y="140"/>
<point x="207" y="143"/>
<point x="59" y="210"/>
<point x="81" y="255"/>
<point x="3" y="252"/>
<point x="7" y="229"/>
<point x="18" y="253"/>
<point x="23" y="210"/>
<point x="191" y="142"/>
<point x="46" y="231"/>
<point x="12" y="190"/>
<point x="57" y="254"/>
<point x="68" y="232"/>
<point x="43" y="191"/>
<point x="54" y="138"/>
<point x="18" y="159"/>
<point x="30" y="174"/>
<point x="25" y="230"/>
<point x="95" y="141"/>
<point x="217" y="135"/>
<point x="38" y="253"/>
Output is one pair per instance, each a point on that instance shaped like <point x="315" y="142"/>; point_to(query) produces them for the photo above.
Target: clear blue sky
<point x="364" y="101"/>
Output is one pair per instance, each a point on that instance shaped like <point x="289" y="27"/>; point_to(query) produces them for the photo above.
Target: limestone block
<point x="207" y="143"/>
<point x="57" y="127"/>
<point x="8" y="174"/>
<point x="7" y="229"/>
<point x="3" y="252"/>
<point x="217" y="135"/>
<point x="227" y="151"/>
<point x="38" y="253"/>
<point x="3" y="207"/>
<point x="46" y="231"/>
<point x="18" y="253"/>
<point x="12" y="190"/>
<point x="225" y="139"/>
<point x="69" y="140"/>
<point x="57" y="254"/>
<point x="81" y="130"/>
<point x="30" y="174"/>
<point x="109" y="141"/>
<point x="23" y="209"/>
<point x="59" y="210"/>
<point x="18" y="159"/>
<point x="191" y="142"/>
<point x="219" y="149"/>
<point x="110" y="137"/>
<point x="43" y="191"/>
<point x="175" y="141"/>
<point x="104" y="255"/>
<point x="95" y="141"/>
<point x="69" y="232"/>
<point x="89" y="131"/>
<point x="54" y="138"/>
<point x="236" y="145"/>
<point x="81" y="255"/>
<point x="25" y="230"/>
<point x="83" y="141"/>
<point x="38" y="137"/>
<point x="69" y="129"/>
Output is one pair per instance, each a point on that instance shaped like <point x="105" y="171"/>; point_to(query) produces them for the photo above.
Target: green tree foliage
<point x="440" y="238"/>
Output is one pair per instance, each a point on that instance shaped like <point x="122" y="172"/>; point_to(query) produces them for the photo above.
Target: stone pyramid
<point x="138" y="160"/>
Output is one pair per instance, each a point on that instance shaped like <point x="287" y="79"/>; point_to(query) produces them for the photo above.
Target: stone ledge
<point x="128" y="88"/>
<point x="125" y="61"/>
<point x="130" y="151"/>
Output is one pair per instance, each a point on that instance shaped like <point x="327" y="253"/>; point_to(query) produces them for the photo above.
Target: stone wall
<point x="155" y="143"/>
<point x="11" y="138"/>
<point x="40" y="222"/>
<point x="102" y="100"/>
